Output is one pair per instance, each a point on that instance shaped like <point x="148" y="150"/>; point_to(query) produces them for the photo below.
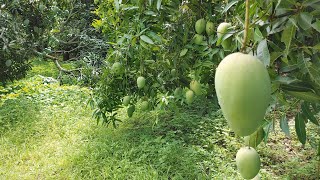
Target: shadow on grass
<point x="141" y="150"/>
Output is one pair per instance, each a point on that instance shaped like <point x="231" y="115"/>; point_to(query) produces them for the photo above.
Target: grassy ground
<point x="46" y="132"/>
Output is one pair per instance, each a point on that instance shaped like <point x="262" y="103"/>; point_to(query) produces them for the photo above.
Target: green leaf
<point x="116" y="4"/>
<point x="267" y="129"/>
<point x="307" y="113"/>
<point x="290" y="68"/>
<point x="284" y="125"/>
<point x="300" y="128"/>
<point x="287" y="35"/>
<point x="146" y="39"/>
<point x="318" y="154"/>
<point x="286" y="79"/>
<point x="312" y="69"/>
<point x="310" y="2"/>
<point x="228" y="6"/>
<point x="316" y="25"/>
<point x="183" y="52"/>
<point x="257" y="35"/>
<point x="304" y="20"/>
<point x="314" y="72"/>
<point x="154" y="36"/>
<point x="307" y="96"/>
<point x="297" y="86"/>
<point x="159" y="4"/>
<point x="263" y="52"/>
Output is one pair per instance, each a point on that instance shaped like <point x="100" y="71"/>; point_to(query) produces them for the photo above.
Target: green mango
<point x="243" y="89"/>
<point x="248" y="162"/>
<point x="195" y="86"/>
<point x="189" y="96"/>
<point x="141" y="82"/>
<point x="209" y="28"/>
<point x="198" y="39"/>
<point x="200" y="26"/>
<point x="131" y="110"/>
<point x="126" y="100"/>
<point x="144" y="105"/>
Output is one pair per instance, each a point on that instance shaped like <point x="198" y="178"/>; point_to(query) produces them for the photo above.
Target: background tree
<point x="50" y="29"/>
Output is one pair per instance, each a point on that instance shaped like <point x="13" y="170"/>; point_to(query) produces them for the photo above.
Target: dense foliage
<point x="49" y="29"/>
<point x="173" y="45"/>
<point x="158" y="40"/>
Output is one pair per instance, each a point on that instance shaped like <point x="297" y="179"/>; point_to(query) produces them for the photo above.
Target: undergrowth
<point x="47" y="132"/>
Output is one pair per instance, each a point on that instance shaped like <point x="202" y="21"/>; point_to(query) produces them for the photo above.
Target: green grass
<point x="46" y="132"/>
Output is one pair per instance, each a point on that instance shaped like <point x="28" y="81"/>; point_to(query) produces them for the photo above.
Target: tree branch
<point x="246" y="27"/>
<point x="56" y="62"/>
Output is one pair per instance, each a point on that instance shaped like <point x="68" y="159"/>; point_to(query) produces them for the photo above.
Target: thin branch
<point x="246" y="27"/>
<point x="56" y="62"/>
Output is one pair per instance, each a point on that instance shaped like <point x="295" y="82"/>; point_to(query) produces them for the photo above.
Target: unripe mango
<point x="198" y="39"/>
<point x="177" y="91"/>
<point x="189" y="96"/>
<point x="248" y="162"/>
<point x="144" y="105"/>
<point x="196" y="87"/>
<point x="209" y="28"/>
<point x="243" y="89"/>
<point x="221" y="30"/>
<point x="141" y="82"/>
<point x="131" y="110"/>
<point x="200" y="26"/>
<point x="116" y="67"/>
<point x="126" y="100"/>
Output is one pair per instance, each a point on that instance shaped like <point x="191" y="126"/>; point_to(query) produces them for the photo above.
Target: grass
<point x="46" y="132"/>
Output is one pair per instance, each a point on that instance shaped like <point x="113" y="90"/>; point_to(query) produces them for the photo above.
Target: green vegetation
<point x="155" y="70"/>
<point x="47" y="132"/>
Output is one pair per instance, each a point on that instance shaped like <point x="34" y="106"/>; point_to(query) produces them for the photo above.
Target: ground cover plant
<point x="47" y="132"/>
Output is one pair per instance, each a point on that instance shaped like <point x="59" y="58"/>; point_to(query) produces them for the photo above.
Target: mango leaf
<point x="290" y="68"/>
<point x="300" y="128"/>
<point x="312" y="69"/>
<point x="159" y="4"/>
<point x="146" y="39"/>
<point x="297" y="86"/>
<point x="154" y="36"/>
<point x="228" y="6"/>
<point x="316" y="25"/>
<point x="304" y="20"/>
<point x="310" y="2"/>
<point x="263" y="52"/>
<point x="318" y="154"/>
<point x="257" y="36"/>
<point x="268" y="127"/>
<point x="287" y="35"/>
<point x="116" y="4"/>
<point x="274" y="56"/>
<point x="314" y="72"/>
<point x="284" y="125"/>
<point x="307" y="113"/>
<point x="307" y="96"/>
<point x="286" y="79"/>
<point x="183" y="52"/>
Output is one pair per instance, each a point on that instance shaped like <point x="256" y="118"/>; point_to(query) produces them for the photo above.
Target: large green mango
<point x="244" y="91"/>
